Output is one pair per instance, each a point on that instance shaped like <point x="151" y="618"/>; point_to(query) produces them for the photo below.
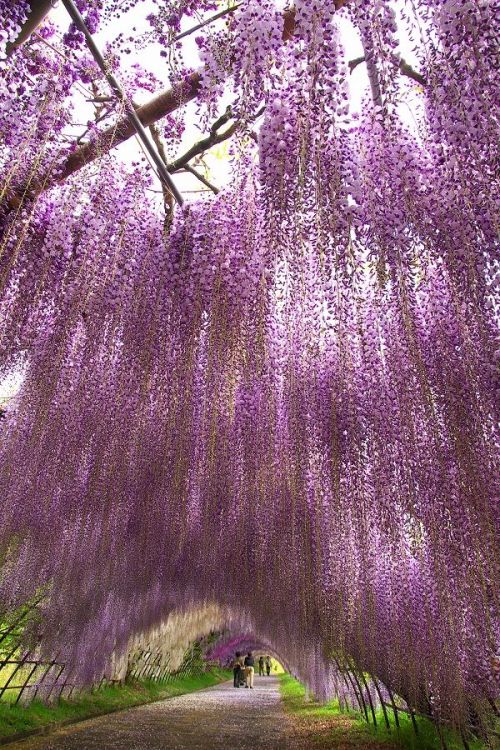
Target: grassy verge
<point x="17" y="719"/>
<point x="325" y="727"/>
<point x="427" y="739"/>
<point x="322" y="726"/>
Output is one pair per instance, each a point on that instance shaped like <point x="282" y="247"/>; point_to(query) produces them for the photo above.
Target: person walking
<point x="261" y="666"/>
<point x="237" y="665"/>
<point x="249" y="670"/>
<point x="268" y="665"/>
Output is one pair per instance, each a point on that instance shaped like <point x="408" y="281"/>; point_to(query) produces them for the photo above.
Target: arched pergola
<point x="279" y="398"/>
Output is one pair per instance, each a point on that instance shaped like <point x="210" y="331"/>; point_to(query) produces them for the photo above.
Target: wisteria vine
<point x="288" y="405"/>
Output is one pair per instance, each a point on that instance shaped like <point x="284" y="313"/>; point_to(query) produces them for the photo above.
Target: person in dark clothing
<point x="249" y="670"/>
<point x="237" y="665"/>
<point x="268" y="665"/>
<point x="261" y="666"/>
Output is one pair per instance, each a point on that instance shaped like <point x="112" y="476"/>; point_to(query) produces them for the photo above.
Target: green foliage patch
<point x="350" y="729"/>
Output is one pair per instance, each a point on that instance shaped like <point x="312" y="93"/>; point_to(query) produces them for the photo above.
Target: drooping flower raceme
<point x="287" y="406"/>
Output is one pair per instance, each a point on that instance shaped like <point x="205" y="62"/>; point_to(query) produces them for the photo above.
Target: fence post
<point x="369" y="698"/>
<point x="42" y="679"/>
<point x="413" y="720"/>
<point x="28" y="678"/>
<point x="360" y="699"/>
<point x="394" y="707"/>
<point x="384" y="709"/>
<point x="360" y="689"/>
<point x="55" y="681"/>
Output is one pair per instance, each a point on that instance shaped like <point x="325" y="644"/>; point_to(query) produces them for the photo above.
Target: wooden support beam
<point x="39" y="9"/>
<point x="404" y="68"/>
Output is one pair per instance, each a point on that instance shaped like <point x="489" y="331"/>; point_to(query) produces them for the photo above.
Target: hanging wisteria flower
<point x="307" y="359"/>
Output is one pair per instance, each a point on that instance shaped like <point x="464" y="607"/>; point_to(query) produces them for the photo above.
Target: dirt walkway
<point x="217" y="718"/>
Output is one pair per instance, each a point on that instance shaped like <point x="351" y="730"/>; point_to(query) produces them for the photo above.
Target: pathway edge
<point x="54" y="726"/>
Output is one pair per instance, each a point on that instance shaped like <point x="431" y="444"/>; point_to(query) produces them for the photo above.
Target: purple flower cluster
<point x="14" y="16"/>
<point x="288" y="406"/>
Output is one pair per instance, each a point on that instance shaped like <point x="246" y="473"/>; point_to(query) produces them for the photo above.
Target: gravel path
<point x="212" y="719"/>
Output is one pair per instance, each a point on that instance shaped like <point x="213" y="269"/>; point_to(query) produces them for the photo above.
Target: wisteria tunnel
<point x="249" y="347"/>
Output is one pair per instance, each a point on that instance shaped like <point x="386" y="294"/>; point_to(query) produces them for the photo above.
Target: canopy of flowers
<point x="279" y="398"/>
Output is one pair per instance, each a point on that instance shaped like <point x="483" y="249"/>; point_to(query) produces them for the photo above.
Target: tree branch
<point x="202" y="178"/>
<point x="404" y="67"/>
<point x="154" y="110"/>
<point x="155" y="135"/>
<point x="168" y="199"/>
<point x="39" y="9"/>
<point x="99" y="99"/>
<point x="199" y="148"/>
<point x="372" y="70"/>
<point x="353" y="64"/>
<point x="158" y="107"/>
<point x="408" y="71"/>
<point x="208" y="142"/>
<point x="208" y="21"/>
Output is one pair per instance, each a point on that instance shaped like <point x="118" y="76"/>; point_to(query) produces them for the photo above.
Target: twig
<point x="202" y="179"/>
<point x="117" y="90"/>
<point x="210" y="140"/>
<point x="201" y="25"/>
<point x="98" y="119"/>
<point x="167" y="195"/>
<point x="404" y="68"/>
<point x="98" y="99"/>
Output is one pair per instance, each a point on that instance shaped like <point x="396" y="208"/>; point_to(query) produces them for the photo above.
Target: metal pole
<point x="118" y="91"/>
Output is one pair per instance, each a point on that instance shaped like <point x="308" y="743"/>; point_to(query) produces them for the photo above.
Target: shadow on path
<point x="212" y="719"/>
